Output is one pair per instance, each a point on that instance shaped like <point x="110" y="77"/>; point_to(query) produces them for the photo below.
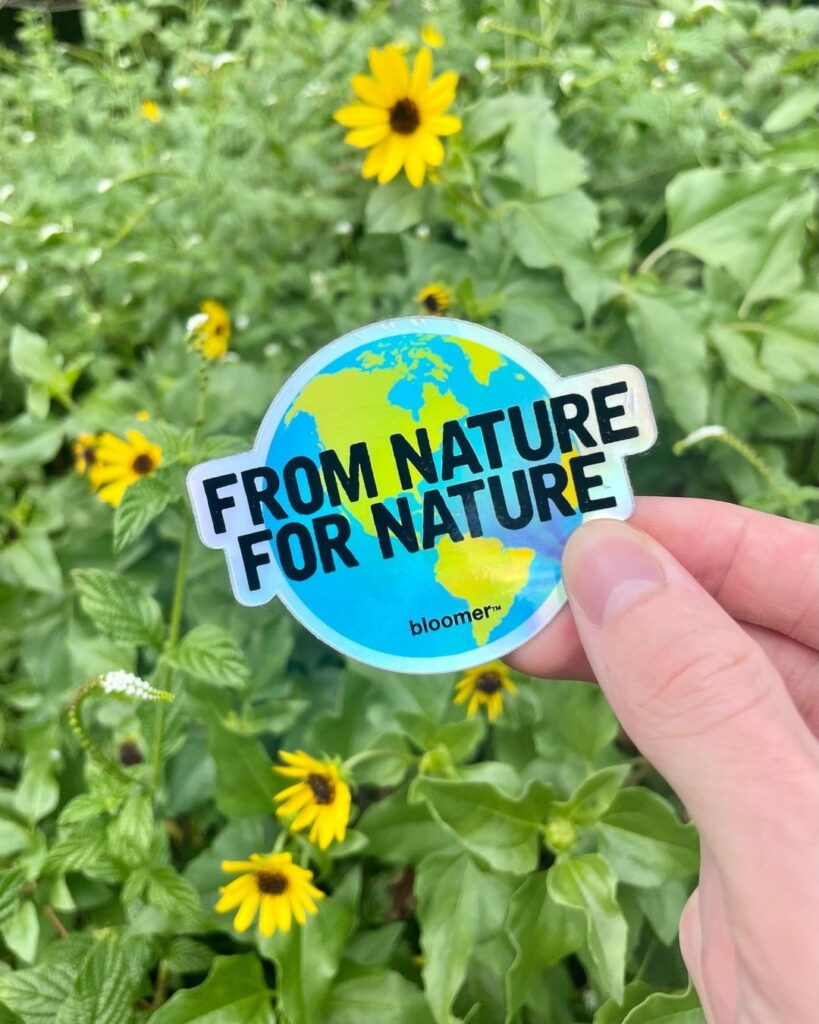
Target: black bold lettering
<point x="421" y="458"/>
<point x="335" y="542"/>
<point x="466" y="492"/>
<point x="251" y="560"/>
<point x="583" y="483"/>
<point x="438" y="520"/>
<point x="502" y="513"/>
<point x="456" y="451"/>
<point x="486" y="423"/>
<point x="574" y="422"/>
<point x="299" y="533"/>
<point x="402" y="528"/>
<point x="305" y="506"/>
<point x="216" y="503"/>
<point x="606" y="413"/>
<point x="554" y="492"/>
<point x="257" y="496"/>
<point x="545" y="442"/>
<point x="360" y="471"/>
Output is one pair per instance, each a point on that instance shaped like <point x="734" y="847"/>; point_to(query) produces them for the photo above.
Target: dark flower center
<point x="143" y="464"/>
<point x="271" y="882"/>
<point x="489" y="682"/>
<point x="431" y="303"/>
<point x="89" y="455"/>
<point x="404" y="117"/>
<point x="323" y="788"/>
<point x="129" y="753"/>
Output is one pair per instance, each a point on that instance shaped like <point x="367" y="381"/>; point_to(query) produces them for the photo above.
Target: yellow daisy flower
<point x="84" y="450"/>
<point x="435" y="298"/>
<point x="485" y="685"/>
<point x="209" y="330"/>
<point x="271" y="885"/>
<point x="119" y="463"/>
<point x="150" y="111"/>
<point x="431" y="36"/>
<point x="400" y="116"/>
<point x="321" y="799"/>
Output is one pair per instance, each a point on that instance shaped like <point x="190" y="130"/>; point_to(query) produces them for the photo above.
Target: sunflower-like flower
<point x="485" y="685"/>
<point x="119" y="463"/>
<point x="320" y="799"/>
<point x="401" y="115"/>
<point x="271" y="885"/>
<point x="150" y="111"/>
<point x="84" y="450"/>
<point x="209" y="329"/>
<point x="435" y="298"/>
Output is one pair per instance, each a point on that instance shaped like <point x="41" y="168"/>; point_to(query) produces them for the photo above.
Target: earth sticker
<point x="413" y="485"/>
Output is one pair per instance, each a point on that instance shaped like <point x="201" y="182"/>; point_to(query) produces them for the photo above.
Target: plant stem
<point x="59" y="927"/>
<point x="180" y="583"/>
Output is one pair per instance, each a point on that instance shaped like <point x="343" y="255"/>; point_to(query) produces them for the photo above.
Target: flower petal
<point x="368" y="90"/>
<point x="360" y="116"/>
<point x="443" y="124"/>
<point x="267" y="916"/>
<point x="393" y="158"/>
<point x="430" y="148"/>
<point x="421" y="73"/>
<point x="414" y="167"/>
<point x="363" y="138"/>
<point x="247" y="911"/>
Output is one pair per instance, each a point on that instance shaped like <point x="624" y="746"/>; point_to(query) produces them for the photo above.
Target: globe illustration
<point x="477" y="583"/>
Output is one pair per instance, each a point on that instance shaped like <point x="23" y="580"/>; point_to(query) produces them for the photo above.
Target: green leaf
<point x="668" y="329"/>
<point x="793" y="109"/>
<point x="789" y="349"/>
<point x="773" y="270"/>
<point x="393" y="207"/>
<point x="594" y="795"/>
<point x="37" y="994"/>
<point x="557" y="232"/>
<point x="29" y="442"/>
<point x="210" y="653"/>
<point x="459" y="738"/>
<point x="104" y="991"/>
<point x="612" y="1012"/>
<point x="543" y="932"/>
<point x="142" y="502"/>
<point x="131" y="831"/>
<point x="383" y="996"/>
<point x="11" y="891"/>
<point x="30" y="357"/>
<point x="644" y="841"/>
<point x="30" y="562"/>
<point x="234" y="992"/>
<point x="500" y="830"/>
<point x="741" y="359"/>
<point x="118" y="607"/>
<point x="169" y="891"/>
<point x="21" y="932"/>
<point x="538" y="158"/>
<point x="449" y="897"/>
<point x="587" y="883"/>
<point x="662" y="1008"/>
<point x="13" y="838"/>
<point x="663" y="906"/>
<point x="245" y="783"/>
<point x="188" y="956"/>
<point x="400" y="832"/>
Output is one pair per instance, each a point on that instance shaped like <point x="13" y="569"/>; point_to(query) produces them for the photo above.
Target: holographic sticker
<point x="413" y="485"/>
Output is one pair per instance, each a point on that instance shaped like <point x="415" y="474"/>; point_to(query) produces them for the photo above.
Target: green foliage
<point x="626" y="188"/>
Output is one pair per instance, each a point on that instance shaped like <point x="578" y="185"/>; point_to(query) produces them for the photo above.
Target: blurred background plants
<point x="631" y="183"/>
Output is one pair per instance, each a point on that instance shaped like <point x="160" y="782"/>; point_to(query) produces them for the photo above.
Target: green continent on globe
<point x="352" y="405"/>
<point x="482" y="571"/>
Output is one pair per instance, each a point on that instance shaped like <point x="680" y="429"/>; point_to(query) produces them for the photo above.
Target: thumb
<point x="696" y="694"/>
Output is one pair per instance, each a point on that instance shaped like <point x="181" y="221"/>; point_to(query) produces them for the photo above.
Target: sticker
<point x="413" y="485"/>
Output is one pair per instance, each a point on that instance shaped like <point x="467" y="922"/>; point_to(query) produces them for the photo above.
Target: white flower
<point x="689" y="89"/>
<point x="241" y="322"/>
<point x="181" y="83"/>
<point x="226" y="57"/>
<point x="483" y="63"/>
<point x="272" y="348"/>
<point x="104" y="185"/>
<point x="666" y="19"/>
<point x="27" y="137"/>
<point x="566" y="80"/>
<point x="129" y="685"/>
<point x="49" y="230"/>
<point x="672" y="66"/>
<point x="6" y="218"/>
<point x="193" y="323"/>
<point x="422" y="232"/>
<point x="657" y="83"/>
<point x="343" y="227"/>
<point x="486" y="24"/>
<point x="270" y="100"/>
<point x="6" y="192"/>
<point x="702" y="433"/>
<point x="94" y="256"/>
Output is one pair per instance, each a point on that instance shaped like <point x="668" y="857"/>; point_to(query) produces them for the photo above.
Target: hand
<point x="703" y="632"/>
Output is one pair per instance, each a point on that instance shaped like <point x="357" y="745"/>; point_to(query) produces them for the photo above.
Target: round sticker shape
<point x="413" y="485"/>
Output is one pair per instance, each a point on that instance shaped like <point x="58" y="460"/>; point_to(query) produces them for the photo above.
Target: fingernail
<point x="606" y="568"/>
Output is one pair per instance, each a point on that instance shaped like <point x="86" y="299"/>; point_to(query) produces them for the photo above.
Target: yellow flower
<point x="150" y="111"/>
<point x="271" y="885"/>
<point x="401" y="115"/>
<point x="119" y="463"/>
<point x="209" y="330"/>
<point x="321" y="799"/>
<point x="85" y="452"/>
<point x="435" y="298"/>
<point x="431" y="36"/>
<point x="485" y="685"/>
<point x="143" y="415"/>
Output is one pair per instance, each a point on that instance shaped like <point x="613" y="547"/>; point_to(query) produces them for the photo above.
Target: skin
<point x="700" y="621"/>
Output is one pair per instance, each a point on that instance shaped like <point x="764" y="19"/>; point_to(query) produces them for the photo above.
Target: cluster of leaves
<point x="630" y="185"/>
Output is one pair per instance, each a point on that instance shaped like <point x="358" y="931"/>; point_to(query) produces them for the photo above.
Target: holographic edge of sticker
<point x="379" y="331"/>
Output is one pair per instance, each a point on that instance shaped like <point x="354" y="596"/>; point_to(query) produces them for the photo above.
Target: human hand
<point x="700" y="621"/>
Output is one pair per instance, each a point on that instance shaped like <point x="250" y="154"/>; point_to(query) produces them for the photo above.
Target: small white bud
<point x="422" y="232"/>
<point x="104" y="185"/>
<point x="241" y="322"/>
<point x="49" y="230"/>
<point x="483" y="63"/>
<point x="272" y="348"/>
<point x="94" y="256"/>
<point x="666" y="19"/>
<point x="181" y="83"/>
<point x="566" y="80"/>
<point x="6" y="192"/>
<point x="343" y="227"/>
<point x="221" y="59"/>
